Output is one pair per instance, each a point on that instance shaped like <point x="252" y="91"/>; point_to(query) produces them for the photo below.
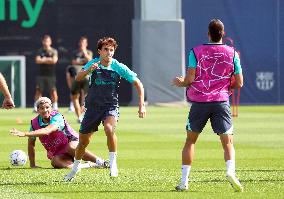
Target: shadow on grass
<point x="23" y="168"/>
<point x="115" y="191"/>
<point x="248" y="180"/>
<point x="248" y="170"/>
<point x="24" y="183"/>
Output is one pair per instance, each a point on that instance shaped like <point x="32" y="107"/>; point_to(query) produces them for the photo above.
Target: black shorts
<point x="71" y="70"/>
<point x="219" y="114"/>
<point x="48" y="82"/>
<point x="77" y="86"/>
<point x="95" y="115"/>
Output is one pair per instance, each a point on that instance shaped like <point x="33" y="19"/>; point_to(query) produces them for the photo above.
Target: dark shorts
<point x="48" y="82"/>
<point x="219" y="114"/>
<point x="95" y="115"/>
<point x="71" y="70"/>
<point x="77" y="86"/>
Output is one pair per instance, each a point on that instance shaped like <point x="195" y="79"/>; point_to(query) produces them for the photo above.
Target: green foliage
<point x="149" y="158"/>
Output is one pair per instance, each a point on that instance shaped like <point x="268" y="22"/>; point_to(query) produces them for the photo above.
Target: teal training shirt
<point x="104" y="82"/>
<point x="56" y="120"/>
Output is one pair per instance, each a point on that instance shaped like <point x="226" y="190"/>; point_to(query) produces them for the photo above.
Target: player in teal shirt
<point x="102" y="101"/>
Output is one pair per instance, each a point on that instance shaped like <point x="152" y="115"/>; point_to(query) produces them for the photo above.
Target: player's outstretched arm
<point x="37" y="133"/>
<point x="140" y="90"/>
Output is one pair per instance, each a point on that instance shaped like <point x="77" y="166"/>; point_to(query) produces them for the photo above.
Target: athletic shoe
<point x="70" y="176"/>
<point x="235" y="183"/>
<point x="106" y="164"/>
<point x="103" y="165"/>
<point x="182" y="187"/>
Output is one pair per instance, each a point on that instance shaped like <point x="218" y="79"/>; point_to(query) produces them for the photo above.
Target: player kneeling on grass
<point x="57" y="137"/>
<point x="102" y="101"/>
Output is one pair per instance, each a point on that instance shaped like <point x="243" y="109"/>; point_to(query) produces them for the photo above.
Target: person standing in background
<point x="79" y="89"/>
<point x="46" y="58"/>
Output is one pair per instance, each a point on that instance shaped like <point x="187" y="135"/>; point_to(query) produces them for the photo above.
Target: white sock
<point x="112" y="159"/>
<point x="231" y="167"/>
<point x="76" y="165"/>
<point x="35" y="107"/>
<point x="185" y="170"/>
<point x="71" y="105"/>
<point x="55" y="106"/>
<point x="99" y="161"/>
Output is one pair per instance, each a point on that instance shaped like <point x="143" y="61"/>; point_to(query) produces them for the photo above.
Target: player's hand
<point x="8" y="103"/>
<point x="142" y="111"/>
<point x="94" y="66"/>
<point x="15" y="132"/>
<point x="35" y="167"/>
<point x="178" y="81"/>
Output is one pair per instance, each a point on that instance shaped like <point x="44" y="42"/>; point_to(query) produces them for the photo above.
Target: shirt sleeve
<point x="192" y="63"/>
<point x="55" y="53"/>
<point x="88" y="65"/>
<point x="58" y="121"/>
<point x="237" y="64"/>
<point x="125" y="72"/>
<point x="90" y="53"/>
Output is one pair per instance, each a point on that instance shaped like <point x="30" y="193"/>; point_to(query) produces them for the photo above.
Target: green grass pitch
<point x="149" y="158"/>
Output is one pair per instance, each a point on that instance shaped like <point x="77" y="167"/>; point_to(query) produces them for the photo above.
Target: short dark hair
<point x="216" y="30"/>
<point x="83" y="38"/>
<point x="106" y="40"/>
<point x="46" y="36"/>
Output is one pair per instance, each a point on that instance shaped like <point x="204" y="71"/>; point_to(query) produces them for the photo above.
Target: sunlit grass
<point x="149" y="158"/>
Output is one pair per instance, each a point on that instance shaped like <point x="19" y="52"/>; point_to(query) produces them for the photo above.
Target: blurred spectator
<point x="79" y="88"/>
<point x="46" y="58"/>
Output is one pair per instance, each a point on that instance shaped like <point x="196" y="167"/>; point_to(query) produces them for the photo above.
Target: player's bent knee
<point x="109" y="130"/>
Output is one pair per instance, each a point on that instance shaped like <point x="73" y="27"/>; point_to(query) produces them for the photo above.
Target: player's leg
<point x="109" y="128"/>
<point x="88" y="155"/>
<point x="187" y="159"/>
<point x="229" y="156"/>
<point x="221" y="122"/>
<point x="84" y="140"/>
<point x="110" y="122"/>
<point x="53" y="92"/>
<point x="90" y="123"/>
<point x="197" y="119"/>
<point x="75" y="92"/>
<point x="77" y="107"/>
<point x="69" y="80"/>
<point x="62" y="161"/>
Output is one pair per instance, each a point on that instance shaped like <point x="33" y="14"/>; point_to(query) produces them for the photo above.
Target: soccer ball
<point x="18" y="158"/>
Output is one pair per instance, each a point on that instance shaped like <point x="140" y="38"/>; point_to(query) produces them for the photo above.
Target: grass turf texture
<point x="149" y="158"/>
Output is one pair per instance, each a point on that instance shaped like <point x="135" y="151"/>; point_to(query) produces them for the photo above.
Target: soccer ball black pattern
<point x="18" y="158"/>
